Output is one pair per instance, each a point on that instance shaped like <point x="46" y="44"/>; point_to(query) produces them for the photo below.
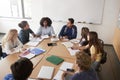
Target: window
<point x="15" y="8"/>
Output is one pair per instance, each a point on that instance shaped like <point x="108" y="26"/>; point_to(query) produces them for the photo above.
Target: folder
<point x="54" y="59"/>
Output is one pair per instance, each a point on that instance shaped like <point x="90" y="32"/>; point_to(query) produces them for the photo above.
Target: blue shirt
<point x="71" y="33"/>
<point x="24" y="35"/>
<point x="9" y="77"/>
<point x="85" y="75"/>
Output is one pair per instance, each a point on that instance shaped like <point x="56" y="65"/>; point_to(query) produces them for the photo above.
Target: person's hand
<point x="64" y="75"/>
<point x="65" y="37"/>
<point x="74" y="48"/>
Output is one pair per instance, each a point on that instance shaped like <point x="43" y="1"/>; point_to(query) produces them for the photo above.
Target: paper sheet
<point x="66" y="65"/>
<point x="72" y="52"/>
<point x="67" y="44"/>
<point x="44" y="36"/>
<point x="46" y="72"/>
<point x="58" y="76"/>
<point x="34" y="42"/>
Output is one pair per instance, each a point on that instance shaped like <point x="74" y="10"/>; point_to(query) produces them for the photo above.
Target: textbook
<point x="32" y="52"/>
<point x="46" y="72"/>
<point x="54" y="59"/>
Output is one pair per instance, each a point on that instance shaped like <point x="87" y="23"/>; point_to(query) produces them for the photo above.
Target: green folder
<point x="54" y="59"/>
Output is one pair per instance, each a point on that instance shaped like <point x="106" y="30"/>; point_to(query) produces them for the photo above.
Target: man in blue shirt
<point x="68" y="31"/>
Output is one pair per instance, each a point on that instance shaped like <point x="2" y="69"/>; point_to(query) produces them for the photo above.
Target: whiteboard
<point x="89" y="11"/>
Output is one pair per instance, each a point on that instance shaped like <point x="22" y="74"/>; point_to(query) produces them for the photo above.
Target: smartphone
<point x="52" y="44"/>
<point x="70" y="70"/>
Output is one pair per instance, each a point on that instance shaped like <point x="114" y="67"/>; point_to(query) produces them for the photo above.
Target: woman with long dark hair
<point x="95" y="48"/>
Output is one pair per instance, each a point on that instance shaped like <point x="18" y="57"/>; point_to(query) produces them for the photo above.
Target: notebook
<point x="34" y="41"/>
<point x="54" y="59"/>
<point x="32" y="52"/>
<point x="46" y="72"/>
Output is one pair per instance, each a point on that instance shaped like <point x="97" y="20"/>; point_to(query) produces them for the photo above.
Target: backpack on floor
<point x="103" y="58"/>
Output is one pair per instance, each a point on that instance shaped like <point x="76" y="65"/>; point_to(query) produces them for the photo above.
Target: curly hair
<point x="83" y="61"/>
<point x="47" y="19"/>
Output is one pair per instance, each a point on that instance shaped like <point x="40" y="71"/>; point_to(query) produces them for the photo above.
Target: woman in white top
<point x="11" y="43"/>
<point x="45" y="27"/>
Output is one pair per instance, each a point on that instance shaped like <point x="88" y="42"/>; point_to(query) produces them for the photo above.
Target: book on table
<point x="32" y="52"/>
<point x="54" y="59"/>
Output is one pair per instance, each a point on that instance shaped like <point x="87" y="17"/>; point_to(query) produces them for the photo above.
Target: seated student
<point x="45" y="27"/>
<point x="11" y="43"/>
<point x="24" y="32"/>
<point x="95" y="48"/>
<point x="68" y="31"/>
<point x="21" y="70"/>
<point x="84" y="69"/>
<point x="84" y="33"/>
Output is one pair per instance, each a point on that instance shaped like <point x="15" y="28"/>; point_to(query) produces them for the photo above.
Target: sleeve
<point x="75" y="33"/>
<point x="92" y="50"/>
<point x="62" y="31"/>
<point x="30" y="31"/>
<point x="7" y="48"/>
<point x="52" y="30"/>
<point x="22" y="37"/>
<point x="39" y="32"/>
<point x="19" y="46"/>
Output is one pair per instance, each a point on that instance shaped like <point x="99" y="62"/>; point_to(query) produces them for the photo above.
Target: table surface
<point x="40" y="60"/>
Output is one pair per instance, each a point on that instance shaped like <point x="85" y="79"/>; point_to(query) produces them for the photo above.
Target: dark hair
<point x="47" y="19"/>
<point x="83" y="60"/>
<point x="22" y="24"/>
<point x="22" y="69"/>
<point x="71" y="20"/>
<point x="93" y="40"/>
<point x="84" y="33"/>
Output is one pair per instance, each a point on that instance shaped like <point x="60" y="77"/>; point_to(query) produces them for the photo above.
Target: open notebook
<point x="32" y="52"/>
<point x="46" y="72"/>
<point x="34" y="41"/>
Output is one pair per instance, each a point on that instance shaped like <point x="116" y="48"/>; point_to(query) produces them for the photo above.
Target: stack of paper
<point x="67" y="44"/>
<point x="72" y="52"/>
<point x="46" y="72"/>
<point x="64" y="67"/>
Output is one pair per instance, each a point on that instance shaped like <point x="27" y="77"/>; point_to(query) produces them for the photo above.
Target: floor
<point x="111" y="69"/>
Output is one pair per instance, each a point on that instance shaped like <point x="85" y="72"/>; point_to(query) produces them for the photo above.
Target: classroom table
<point x="40" y="60"/>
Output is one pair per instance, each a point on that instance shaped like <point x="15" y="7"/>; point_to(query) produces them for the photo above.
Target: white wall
<point x="105" y="30"/>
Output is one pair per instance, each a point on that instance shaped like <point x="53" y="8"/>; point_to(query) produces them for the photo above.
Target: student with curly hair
<point x="45" y="27"/>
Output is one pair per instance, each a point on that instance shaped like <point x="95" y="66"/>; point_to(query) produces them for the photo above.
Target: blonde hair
<point x="83" y="60"/>
<point x="9" y="36"/>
